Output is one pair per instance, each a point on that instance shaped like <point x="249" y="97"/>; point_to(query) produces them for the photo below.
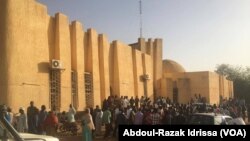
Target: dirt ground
<point x="78" y="137"/>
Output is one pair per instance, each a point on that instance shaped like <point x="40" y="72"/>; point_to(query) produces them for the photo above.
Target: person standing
<point x="51" y="123"/>
<point x="87" y="126"/>
<point x="71" y="114"/>
<point x="137" y="102"/>
<point x="9" y="116"/>
<point x="106" y="119"/>
<point x="121" y="119"/>
<point x="32" y="113"/>
<point x="22" y="121"/>
<point x="41" y="118"/>
<point x="138" y="117"/>
<point x="98" y="121"/>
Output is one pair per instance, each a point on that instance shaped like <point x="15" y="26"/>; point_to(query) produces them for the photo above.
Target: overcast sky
<point x="198" y="34"/>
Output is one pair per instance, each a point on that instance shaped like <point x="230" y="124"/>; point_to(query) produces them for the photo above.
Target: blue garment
<point x="86" y="133"/>
<point x="8" y="117"/>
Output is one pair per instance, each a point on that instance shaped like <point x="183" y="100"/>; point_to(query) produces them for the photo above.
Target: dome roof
<point x="170" y="66"/>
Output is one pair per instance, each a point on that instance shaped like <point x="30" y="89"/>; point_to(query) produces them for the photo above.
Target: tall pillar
<point x="92" y="64"/>
<point x="104" y="66"/>
<point x="142" y="45"/>
<point x="150" y="47"/>
<point x="63" y="53"/>
<point x="5" y="44"/>
<point x="147" y="64"/>
<point x="157" y="57"/>
<point x="138" y="73"/>
<point x="123" y="80"/>
<point x="77" y="60"/>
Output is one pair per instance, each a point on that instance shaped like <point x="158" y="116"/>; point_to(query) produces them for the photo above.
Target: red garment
<point x="51" y="120"/>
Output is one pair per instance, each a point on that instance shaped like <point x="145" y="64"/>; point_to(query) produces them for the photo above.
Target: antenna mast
<point x="140" y="7"/>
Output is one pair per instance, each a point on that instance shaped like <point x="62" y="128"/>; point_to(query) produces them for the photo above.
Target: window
<point x="89" y="90"/>
<point x="55" y="89"/>
<point x="74" y="89"/>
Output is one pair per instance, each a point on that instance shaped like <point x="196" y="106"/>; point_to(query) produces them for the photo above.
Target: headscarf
<point x="87" y="119"/>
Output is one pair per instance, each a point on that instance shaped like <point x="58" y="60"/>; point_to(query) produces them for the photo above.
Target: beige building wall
<point x="169" y="88"/>
<point x="214" y="88"/>
<point x="114" y="69"/>
<point x="24" y="53"/>
<point x="51" y="36"/>
<point x="150" y="47"/>
<point x="30" y="39"/>
<point x="142" y="45"/>
<point x="166" y="87"/>
<point x="104" y="66"/>
<point x="157" y="65"/>
<point x="77" y="61"/>
<point x="221" y="84"/>
<point x="5" y="42"/>
<point x="229" y="89"/>
<point x="231" y="94"/>
<point x="123" y="78"/>
<point x="198" y="84"/>
<point x="147" y="63"/>
<point x="63" y="53"/>
<point x="207" y="84"/>
<point x="146" y="49"/>
<point x="138" y="72"/>
<point x="92" y="64"/>
<point x="184" y="90"/>
<point x="226" y="87"/>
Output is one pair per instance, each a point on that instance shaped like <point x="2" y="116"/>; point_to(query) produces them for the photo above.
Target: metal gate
<point x="89" y="89"/>
<point x="55" y="90"/>
<point x="74" y="90"/>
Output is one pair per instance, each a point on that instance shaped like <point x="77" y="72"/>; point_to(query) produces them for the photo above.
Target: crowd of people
<point x="38" y="121"/>
<point x="135" y="111"/>
<point x="121" y="110"/>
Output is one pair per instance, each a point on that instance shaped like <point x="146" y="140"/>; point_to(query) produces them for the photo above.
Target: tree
<point x="241" y="78"/>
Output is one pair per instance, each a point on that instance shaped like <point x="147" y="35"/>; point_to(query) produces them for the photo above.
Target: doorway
<point x="175" y="95"/>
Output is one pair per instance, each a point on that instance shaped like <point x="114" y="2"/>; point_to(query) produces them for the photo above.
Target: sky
<point x="198" y="34"/>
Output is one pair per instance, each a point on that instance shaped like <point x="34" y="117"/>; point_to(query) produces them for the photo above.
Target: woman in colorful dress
<point x="87" y="126"/>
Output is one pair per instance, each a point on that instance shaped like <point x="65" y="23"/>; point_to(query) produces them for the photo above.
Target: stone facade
<point x="91" y="67"/>
<point x="209" y="85"/>
<point x="30" y="39"/>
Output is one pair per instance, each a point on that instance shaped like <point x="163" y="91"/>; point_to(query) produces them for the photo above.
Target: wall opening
<point x="89" y="89"/>
<point x="55" y="90"/>
<point x="175" y="95"/>
<point x="74" y="89"/>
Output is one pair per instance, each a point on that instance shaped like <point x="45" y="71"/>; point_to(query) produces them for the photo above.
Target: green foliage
<point x="241" y="78"/>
